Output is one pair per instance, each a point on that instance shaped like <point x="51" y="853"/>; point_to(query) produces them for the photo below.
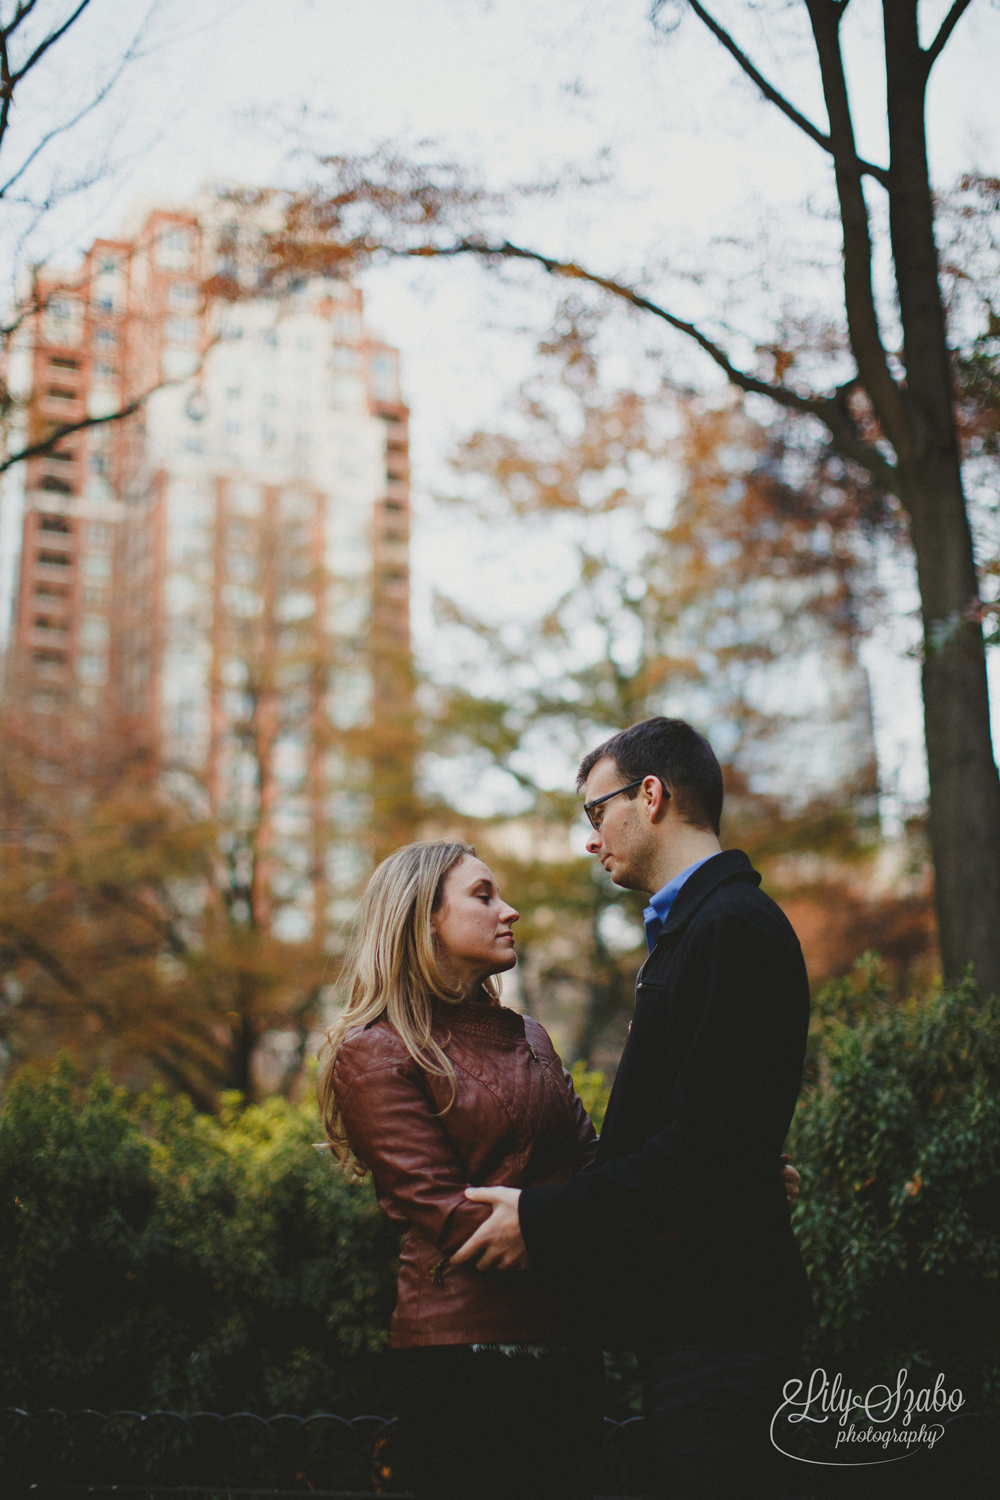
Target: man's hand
<point x="496" y="1245"/>
<point x="790" y="1180"/>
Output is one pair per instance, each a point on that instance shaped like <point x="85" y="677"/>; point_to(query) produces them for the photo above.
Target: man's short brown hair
<point x="676" y="753"/>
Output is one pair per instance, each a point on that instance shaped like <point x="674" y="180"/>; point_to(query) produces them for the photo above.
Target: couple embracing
<point x="528" y="1245"/>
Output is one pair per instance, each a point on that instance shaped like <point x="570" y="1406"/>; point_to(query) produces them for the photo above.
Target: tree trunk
<point x="964" y="811"/>
<point x="964" y="785"/>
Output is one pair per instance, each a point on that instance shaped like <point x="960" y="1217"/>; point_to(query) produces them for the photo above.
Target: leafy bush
<point x="153" y="1257"/>
<point x="897" y="1135"/>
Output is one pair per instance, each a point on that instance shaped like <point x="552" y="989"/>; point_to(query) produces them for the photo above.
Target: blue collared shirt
<point x="658" y="910"/>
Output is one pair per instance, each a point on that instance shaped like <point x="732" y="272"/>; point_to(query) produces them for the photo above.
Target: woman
<point x="432" y="1085"/>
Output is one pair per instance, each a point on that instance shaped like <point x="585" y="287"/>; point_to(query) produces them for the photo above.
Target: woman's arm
<point x="392" y="1126"/>
<point x="585" y="1133"/>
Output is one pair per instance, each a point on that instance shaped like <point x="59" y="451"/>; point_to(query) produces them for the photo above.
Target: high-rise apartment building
<point x="223" y="575"/>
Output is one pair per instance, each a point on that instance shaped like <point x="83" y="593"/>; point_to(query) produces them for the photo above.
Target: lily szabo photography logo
<point x="823" y="1421"/>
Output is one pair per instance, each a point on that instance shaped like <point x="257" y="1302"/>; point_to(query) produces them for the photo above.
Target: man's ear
<point x="657" y="798"/>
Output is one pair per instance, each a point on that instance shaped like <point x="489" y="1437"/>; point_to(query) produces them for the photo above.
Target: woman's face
<point x="473" y="926"/>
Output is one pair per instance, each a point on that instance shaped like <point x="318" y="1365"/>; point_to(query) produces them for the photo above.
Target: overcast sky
<point x="226" y="88"/>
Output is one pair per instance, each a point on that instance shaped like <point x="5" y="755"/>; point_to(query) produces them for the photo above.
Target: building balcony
<point x="67" y="408"/>
<point x="54" y="572"/>
<point x="48" y="638"/>
<point x="54" y="541"/>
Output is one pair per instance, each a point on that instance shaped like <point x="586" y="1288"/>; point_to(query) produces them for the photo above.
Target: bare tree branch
<point x="45" y="445"/>
<point x="66" y="428"/>
<point x="10" y="83"/>
<point x="115" y="895"/>
<point x="951" y="20"/>
<point x="58" y="130"/>
<point x="833" y="411"/>
<point x="771" y="93"/>
<point x="45" y="960"/>
<point x="859" y="294"/>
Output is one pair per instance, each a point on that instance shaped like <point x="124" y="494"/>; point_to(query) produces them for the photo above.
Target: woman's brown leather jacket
<point x="516" y="1121"/>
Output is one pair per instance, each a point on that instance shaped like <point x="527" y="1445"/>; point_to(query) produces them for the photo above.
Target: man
<point x="677" y="1242"/>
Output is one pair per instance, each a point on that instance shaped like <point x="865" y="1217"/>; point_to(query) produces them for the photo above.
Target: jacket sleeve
<point x="392" y="1126"/>
<point x="586" y="1135"/>
<point x="730" y="1100"/>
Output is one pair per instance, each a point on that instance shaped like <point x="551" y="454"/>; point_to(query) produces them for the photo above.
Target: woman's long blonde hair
<point x="391" y="970"/>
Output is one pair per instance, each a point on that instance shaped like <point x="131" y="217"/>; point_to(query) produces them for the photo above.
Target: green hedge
<point x="897" y="1135"/>
<point x="151" y="1257"/>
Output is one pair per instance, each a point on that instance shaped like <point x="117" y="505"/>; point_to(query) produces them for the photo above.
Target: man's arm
<point x="751" y="1009"/>
<point x="750" y="999"/>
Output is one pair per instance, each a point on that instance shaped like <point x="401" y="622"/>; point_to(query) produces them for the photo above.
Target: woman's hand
<point x="790" y="1180"/>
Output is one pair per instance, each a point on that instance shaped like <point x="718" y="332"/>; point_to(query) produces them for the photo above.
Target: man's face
<point x="625" y="841"/>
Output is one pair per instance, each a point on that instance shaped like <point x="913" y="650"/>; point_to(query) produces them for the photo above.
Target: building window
<point x="63" y="320"/>
<point x="53" y="559"/>
<point x="92" y="668"/>
<point x="183" y="294"/>
<point x="55" y="486"/>
<point x="182" y="330"/>
<point x="97" y="565"/>
<point x="174" y="248"/>
<point x="54" y="523"/>
<point x="105" y="337"/>
<point x="94" y="631"/>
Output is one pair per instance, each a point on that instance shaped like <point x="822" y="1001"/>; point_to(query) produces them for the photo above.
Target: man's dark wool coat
<point x="680" y="1232"/>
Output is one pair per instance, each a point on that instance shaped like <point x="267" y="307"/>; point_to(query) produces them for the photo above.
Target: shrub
<point x="153" y="1257"/>
<point x="897" y="1135"/>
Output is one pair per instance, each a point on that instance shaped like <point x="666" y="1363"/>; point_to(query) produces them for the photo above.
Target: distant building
<point x="223" y="576"/>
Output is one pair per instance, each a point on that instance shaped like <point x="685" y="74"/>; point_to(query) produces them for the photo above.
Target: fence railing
<point x="56" y="1455"/>
<point x="55" y="1452"/>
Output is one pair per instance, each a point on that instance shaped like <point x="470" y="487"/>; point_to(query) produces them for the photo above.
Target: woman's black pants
<point x="486" y="1425"/>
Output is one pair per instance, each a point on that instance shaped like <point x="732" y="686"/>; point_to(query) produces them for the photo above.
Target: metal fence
<point x="53" y="1453"/>
<point x="56" y="1455"/>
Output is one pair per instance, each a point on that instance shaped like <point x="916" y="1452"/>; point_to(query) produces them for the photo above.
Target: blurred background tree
<point x="121" y="934"/>
<point x="875" y="378"/>
<point x="742" y="604"/>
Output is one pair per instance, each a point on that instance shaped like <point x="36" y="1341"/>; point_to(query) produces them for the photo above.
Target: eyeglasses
<point x="591" y="808"/>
